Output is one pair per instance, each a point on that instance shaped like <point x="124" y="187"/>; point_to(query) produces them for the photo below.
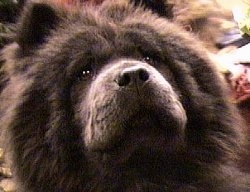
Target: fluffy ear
<point x="35" y="25"/>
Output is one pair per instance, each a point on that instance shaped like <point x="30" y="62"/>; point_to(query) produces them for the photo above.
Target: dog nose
<point x="134" y="75"/>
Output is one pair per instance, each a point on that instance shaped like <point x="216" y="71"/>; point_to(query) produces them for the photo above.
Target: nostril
<point x="132" y="76"/>
<point x="143" y="75"/>
<point x="124" y="80"/>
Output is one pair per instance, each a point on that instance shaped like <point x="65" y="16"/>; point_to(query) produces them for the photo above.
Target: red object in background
<point x="240" y="83"/>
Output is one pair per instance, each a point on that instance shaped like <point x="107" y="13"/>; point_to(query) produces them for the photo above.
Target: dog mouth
<point x="146" y="133"/>
<point x="152" y="129"/>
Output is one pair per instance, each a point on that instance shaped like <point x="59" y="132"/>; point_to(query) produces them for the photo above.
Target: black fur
<point x="113" y="98"/>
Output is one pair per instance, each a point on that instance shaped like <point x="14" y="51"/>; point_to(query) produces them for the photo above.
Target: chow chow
<point x="115" y="98"/>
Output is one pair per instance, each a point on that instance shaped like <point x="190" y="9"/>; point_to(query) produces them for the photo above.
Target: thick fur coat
<point x="114" y="98"/>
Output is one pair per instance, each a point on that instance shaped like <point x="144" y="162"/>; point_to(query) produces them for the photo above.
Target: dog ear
<point x="36" y="23"/>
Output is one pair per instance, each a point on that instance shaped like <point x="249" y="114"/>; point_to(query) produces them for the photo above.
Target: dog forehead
<point x="90" y="42"/>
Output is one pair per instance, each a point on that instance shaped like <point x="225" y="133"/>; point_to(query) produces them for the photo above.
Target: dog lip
<point x="145" y="134"/>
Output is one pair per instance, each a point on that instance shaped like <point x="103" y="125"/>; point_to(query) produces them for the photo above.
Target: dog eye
<point x="149" y="60"/>
<point x="86" y="72"/>
<point x="154" y="59"/>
